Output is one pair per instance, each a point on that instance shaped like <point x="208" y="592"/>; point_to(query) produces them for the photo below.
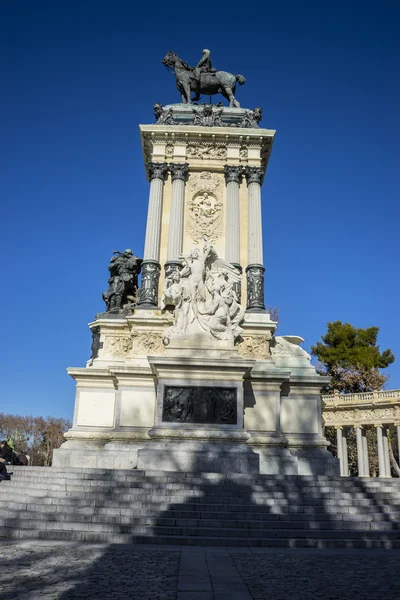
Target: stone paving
<point x="66" y="571"/>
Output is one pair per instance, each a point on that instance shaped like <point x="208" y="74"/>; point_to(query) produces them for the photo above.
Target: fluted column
<point x="151" y="259"/>
<point x="255" y="269"/>
<point x="339" y="444"/>
<point x="388" y="471"/>
<point x="381" y="455"/>
<point x="360" y="451"/>
<point x="233" y="178"/>
<point x="179" y="175"/>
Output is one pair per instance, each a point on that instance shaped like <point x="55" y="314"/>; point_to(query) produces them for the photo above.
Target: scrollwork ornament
<point x="254" y="174"/>
<point x="179" y="171"/>
<point x="233" y="173"/>
<point x="146" y="343"/>
<point x="157" y="170"/>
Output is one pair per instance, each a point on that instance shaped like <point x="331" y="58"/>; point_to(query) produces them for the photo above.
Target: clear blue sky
<point x="78" y="77"/>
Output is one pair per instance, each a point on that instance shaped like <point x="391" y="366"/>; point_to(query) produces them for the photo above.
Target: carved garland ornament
<point x="118" y="345"/>
<point x="331" y="417"/>
<point x="254" y="346"/>
<point x="204" y="217"/>
<point x="205" y="151"/>
<point x="146" y="343"/>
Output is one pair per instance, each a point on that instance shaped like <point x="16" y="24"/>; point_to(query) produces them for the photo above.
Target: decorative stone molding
<point x="109" y="436"/>
<point x="255" y="288"/>
<point x="169" y="149"/>
<point x="204" y="214"/>
<point x="233" y="173"/>
<point x="254" y="175"/>
<point x="179" y="171"/>
<point x="254" y="346"/>
<point x="146" y="343"/>
<point x="198" y="434"/>
<point x="206" y="150"/>
<point x="118" y="346"/>
<point x="157" y="170"/>
<point x="359" y="417"/>
<point x="149" y="289"/>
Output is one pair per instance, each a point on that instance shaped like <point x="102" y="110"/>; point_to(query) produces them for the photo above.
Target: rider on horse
<point x="203" y="66"/>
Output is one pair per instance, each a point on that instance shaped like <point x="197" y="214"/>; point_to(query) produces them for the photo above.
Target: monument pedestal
<point x="201" y="383"/>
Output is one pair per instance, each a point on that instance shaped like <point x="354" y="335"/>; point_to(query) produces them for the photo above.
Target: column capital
<point x="338" y="427"/>
<point x="378" y="424"/>
<point x="157" y="170"/>
<point x="179" y="171"/>
<point x="233" y="173"/>
<point x="254" y="175"/>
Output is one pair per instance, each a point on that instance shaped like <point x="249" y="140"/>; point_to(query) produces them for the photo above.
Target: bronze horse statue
<point x="220" y="82"/>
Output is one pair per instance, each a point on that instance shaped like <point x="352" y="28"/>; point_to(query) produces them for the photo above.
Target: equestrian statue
<point x="202" y="79"/>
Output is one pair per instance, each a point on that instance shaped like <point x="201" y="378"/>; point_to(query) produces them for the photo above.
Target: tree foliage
<point x="36" y="436"/>
<point x="352" y="358"/>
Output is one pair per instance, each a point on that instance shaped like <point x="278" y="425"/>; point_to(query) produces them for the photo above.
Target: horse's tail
<point x="240" y="79"/>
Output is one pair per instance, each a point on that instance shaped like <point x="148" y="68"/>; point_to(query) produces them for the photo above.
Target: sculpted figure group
<point x="203" y="295"/>
<point x="124" y="269"/>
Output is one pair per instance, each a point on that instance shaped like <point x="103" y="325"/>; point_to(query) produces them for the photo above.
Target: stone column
<point x="151" y="259"/>
<point x="233" y="178"/>
<point x="179" y="175"/>
<point x="388" y="470"/>
<point x="381" y="456"/>
<point x="360" y="450"/>
<point x="365" y="453"/>
<point x="339" y="444"/>
<point x="345" y="456"/>
<point x="255" y="269"/>
<point x="398" y="439"/>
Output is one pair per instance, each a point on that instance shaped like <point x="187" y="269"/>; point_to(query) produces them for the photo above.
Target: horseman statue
<point x="202" y="79"/>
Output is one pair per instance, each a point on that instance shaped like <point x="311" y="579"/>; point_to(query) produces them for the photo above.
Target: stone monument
<point x="188" y="374"/>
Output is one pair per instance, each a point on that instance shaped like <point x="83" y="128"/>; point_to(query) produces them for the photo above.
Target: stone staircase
<point x="209" y="509"/>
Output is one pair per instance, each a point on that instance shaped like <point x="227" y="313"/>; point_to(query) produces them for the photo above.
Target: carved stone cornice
<point x="233" y="173"/>
<point x="254" y="175"/>
<point x="179" y="171"/>
<point x="157" y="170"/>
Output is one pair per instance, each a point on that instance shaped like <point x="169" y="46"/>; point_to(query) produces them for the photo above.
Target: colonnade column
<point x="255" y="269"/>
<point x="381" y="455"/>
<point x="345" y="455"/>
<point x="398" y="439"/>
<point x="151" y="259"/>
<point x="233" y="178"/>
<point x="365" y="453"/>
<point x="360" y="450"/>
<point x="339" y="444"/>
<point x="386" y="452"/>
<point x="179" y="175"/>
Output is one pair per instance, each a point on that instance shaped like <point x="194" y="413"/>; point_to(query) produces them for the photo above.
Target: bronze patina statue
<point x="202" y="79"/>
<point x="124" y="269"/>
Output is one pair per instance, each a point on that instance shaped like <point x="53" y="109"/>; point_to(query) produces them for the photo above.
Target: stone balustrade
<point x="361" y="411"/>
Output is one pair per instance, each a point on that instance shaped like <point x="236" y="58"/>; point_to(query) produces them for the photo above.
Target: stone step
<point x="7" y="516"/>
<point x="17" y="508"/>
<point x="380" y="541"/>
<point x="187" y="531"/>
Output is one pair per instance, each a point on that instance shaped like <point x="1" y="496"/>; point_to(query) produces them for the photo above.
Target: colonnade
<point x="362" y="449"/>
<point x="179" y="172"/>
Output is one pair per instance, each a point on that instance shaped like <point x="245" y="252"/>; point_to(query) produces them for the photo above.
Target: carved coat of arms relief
<point x="204" y="215"/>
